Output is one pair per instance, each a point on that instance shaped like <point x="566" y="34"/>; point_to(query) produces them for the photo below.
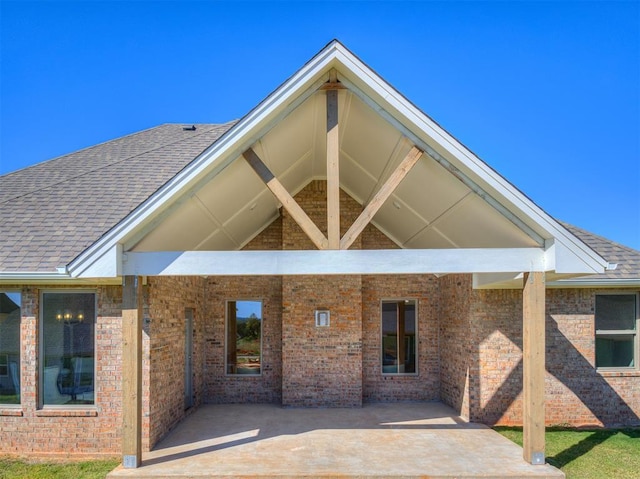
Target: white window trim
<point x="619" y="332"/>
<point x="381" y="353"/>
<point x="226" y="327"/>
<point x="40" y="402"/>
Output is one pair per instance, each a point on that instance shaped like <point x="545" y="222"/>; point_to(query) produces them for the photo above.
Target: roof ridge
<point x="86" y="148"/>
<point x="213" y="126"/>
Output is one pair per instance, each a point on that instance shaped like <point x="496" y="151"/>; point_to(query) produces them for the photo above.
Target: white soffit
<point x="430" y="208"/>
<point x="220" y="193"/>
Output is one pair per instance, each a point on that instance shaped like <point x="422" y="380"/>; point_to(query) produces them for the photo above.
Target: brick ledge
<point x="67" y="413"/>
<point x="15" y="411"/>
<point x="619" y="374"/>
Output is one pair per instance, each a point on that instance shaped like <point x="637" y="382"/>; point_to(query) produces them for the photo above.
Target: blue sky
<point x="547" y="93"/>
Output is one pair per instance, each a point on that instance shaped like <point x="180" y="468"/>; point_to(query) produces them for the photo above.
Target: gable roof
<point x="76" y="229"/>
<point x="54" y="210"/>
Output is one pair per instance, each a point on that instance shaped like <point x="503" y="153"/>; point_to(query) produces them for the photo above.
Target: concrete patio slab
<point x="406" y="440"/>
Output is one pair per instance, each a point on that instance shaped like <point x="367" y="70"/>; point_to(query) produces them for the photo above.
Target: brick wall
<point x="266" y="388"/>
<point x="425" y="385"/>
<point x="482" y="375"/>
<point x="469" y="349"/>
<point x="164" y="349"/>
<point x="458" y="363"/>
<point x="321" y="366"/>
<point x="91" y="431"/>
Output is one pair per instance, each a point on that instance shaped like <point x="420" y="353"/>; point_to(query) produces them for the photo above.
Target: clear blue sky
<point x="547" y="93"/>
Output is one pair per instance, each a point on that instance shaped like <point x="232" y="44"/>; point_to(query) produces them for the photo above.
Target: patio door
<point x="188" y="358"/>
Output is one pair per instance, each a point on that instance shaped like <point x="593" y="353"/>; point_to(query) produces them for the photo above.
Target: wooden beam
<point x="464" y="178"/>
<point x="533" y="352"/>
<point x="333" y="171"/>
<point x="288" y="202"/>
<point x="131" y="371"/>
<point x="383" y="261"/>
<point x="380" y="197"/>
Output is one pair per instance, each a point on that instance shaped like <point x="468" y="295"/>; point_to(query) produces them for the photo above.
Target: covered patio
<point x="378" y="440"/>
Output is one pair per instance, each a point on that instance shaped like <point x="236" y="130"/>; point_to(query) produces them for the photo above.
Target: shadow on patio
<point x="378" y="440"/>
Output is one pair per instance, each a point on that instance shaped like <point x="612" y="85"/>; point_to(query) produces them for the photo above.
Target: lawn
<point x="589" y="454"/>
<point x="14" y="468"/>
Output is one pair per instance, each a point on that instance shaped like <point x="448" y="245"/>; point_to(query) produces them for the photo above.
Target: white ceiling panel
<point x="295" y="151"/>
<point x="252" y="218"/>
<point x="182" y="230"/>
<point x="429" y="238"/>
<point x="297" y="176"/>
<point x="368" y="138"/>
<point x="290" y="140"/>
<point x="231" y="190"/>
<point x="401" y="223"/>
<point x="218" y="241"/>
<point x="475" y="224"/>
<point x="430" y="190"/>
<point x="355" y="180"/>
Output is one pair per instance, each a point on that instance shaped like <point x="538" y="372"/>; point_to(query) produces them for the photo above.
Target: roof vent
<point x="189" y="128"/>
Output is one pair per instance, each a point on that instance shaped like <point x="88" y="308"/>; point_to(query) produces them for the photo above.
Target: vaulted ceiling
<point x="430" y="208"/>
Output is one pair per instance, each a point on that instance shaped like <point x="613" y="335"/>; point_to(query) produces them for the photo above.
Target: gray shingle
<point x="53" y="211"/>
<point x="627" y="259"/>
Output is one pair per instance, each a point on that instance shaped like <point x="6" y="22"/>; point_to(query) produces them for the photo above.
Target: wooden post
<point x="533" y="351"/>
<point x="131" y="371"/>
<point x="333" y="171"/>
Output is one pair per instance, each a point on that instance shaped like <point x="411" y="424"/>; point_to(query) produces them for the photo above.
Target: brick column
<point x="322" y="366"/>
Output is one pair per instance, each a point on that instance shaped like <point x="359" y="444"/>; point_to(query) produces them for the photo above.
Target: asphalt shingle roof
<point x="627" y="259"/>
<point x="53" y="211"/>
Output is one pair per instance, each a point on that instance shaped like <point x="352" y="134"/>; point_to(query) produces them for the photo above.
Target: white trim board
<point x="328" y="262"/>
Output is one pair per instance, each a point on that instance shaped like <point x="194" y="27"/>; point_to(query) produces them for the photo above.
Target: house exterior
<point x="333" y="247"/>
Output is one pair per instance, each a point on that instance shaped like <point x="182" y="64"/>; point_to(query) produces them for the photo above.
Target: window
<point x="399" y="328"/>
<point x="616" y="330"/>
<point x="10" y="348"/>
<point x="244" y="337"/>
<point x="67" y="348"/>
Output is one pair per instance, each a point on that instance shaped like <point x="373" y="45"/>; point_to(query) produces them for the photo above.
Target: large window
<point x="9" y="348"/>
<point x="244" y="337"/>
<point x="67" y="346"/>
<point x="616" y="331"/>
<point x="399" y="328"/>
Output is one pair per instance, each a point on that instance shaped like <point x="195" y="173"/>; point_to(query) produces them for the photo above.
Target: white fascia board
<point x="213" y="160"/>
<point x="50" y="278"/>
<point x="595" y="283"/>
<point x="430" y="132"/>
<point x="514" y="281"/>
<point x="21" y="276"/>
<point x="328" y="262"/>
<point x="108" y="265"/>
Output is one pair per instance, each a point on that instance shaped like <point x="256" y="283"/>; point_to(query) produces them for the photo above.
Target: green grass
<point x="11" y="468"/>
<point x="589" y="454"/>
